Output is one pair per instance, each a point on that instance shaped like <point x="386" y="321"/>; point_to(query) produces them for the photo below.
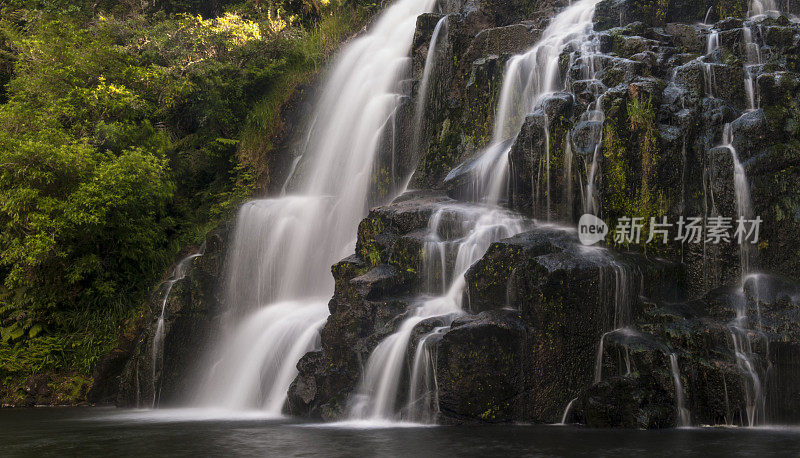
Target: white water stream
<point x="377" y="396"/>
<point x="180" y="272"/>
<point x="528" y="78"/>
<point x="278" y="270"/>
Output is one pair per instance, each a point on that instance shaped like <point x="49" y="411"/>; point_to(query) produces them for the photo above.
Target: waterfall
<point x="708" y="15"/>
<point x="180" y="272"/>
<point x="376" y="398"/>
<point x="527" y="79"/>
<point x="740" y="329"/>
<point x="568" y="158"/>
<point x="683" y="413"/>
<point x="753" y="59"/>
<point x="713" y="41"/>
<point x="567" y="410"/>
<point x="597" y="116"/>
<point x="278" y="271"/>
<point x="423" y="391"/>
<point x="708" y="70"/>
<point x="759" y="8"/>
<point x="427" y="71"/>
<point x="598" y="362"/>
<point x="744" y="205"/>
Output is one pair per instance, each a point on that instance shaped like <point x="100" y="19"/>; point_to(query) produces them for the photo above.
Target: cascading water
<point x="278" y="278"/>
<point x="567" y="410"/>
<point x="598" y="363"/>
<point x="597" y="117"/>
<point x="708" y="69"/>
<point x="180" y="272"/>
<point x="684" y="418"/>
<point x="753" y="59"/>
<point x="424" y="84"/>
<point x="760" y="8"/>
<point x="423" y="391"/>
<point x="740" y="329"/>
<point x="376" y="398"/>
<point x="713" y="41"/>
<point x="744" y="205"/>
<point x="528" y="78"/>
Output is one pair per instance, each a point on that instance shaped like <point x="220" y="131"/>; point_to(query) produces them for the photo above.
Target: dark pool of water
<point x="117" y="432"/>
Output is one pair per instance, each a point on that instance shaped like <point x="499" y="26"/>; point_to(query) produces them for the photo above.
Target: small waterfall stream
<point x="424" y="84"/>
<point x="180" y="272"/>
<point x="528" y="79"/>
<point x="278" y="276"/>
<point x="759" y="8"/>
<point x="712" y="44"/>
<point x="753" y="60"/>
<point x="376" y="398"/>
<point x="744" y="205"/>
<point x="740" y="328"/>
<point x="684" y="419"/>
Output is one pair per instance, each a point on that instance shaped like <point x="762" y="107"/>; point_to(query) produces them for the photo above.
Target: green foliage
<point x="124" y="135"/>
<point x="631" y="148"/>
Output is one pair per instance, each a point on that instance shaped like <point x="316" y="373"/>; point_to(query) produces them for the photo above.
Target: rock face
<point x="373" y="290"/>
<point x="561" y="297"/>
<point x="664" y="107"/>
<point x="126" y="377"/>
<point x="638" y="335"/>
<point x="700" y="333"/>
<point x="550" y="323"/>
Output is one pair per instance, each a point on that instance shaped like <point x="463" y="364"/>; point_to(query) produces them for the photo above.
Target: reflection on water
<point x="110" y="432"/>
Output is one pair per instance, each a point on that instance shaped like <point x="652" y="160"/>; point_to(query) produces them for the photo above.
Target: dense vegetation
<point x="126" y="132"/>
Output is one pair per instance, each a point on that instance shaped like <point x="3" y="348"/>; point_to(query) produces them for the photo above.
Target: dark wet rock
<point x="613" y="13"/>
<point x="687" y="38"/>
<point x="636" y="365"/>
<point x="379" y="281"/>
<point x="542" y="143"/>
<point x="480" y="368"/>
<point x="780" y="36"/>
<point x="512" y="39"/>
<point x="690" y="75"/>
<point x="503" y="12"/>
<point x="729" y="23"/>
<point x="37" y="389"/>
<point x="586" y="136"/>
<point x="321" y="388"/>
<point x="125" y="376"/>
<point x="731" y="41"/>
<point x="750" y="133"/>
<point x="372" y="293"/>
<point x="555" y="297"/>
<point x="619" y="70"/>
<point x="627" y="46"/>
<point x="777" y="88"/>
